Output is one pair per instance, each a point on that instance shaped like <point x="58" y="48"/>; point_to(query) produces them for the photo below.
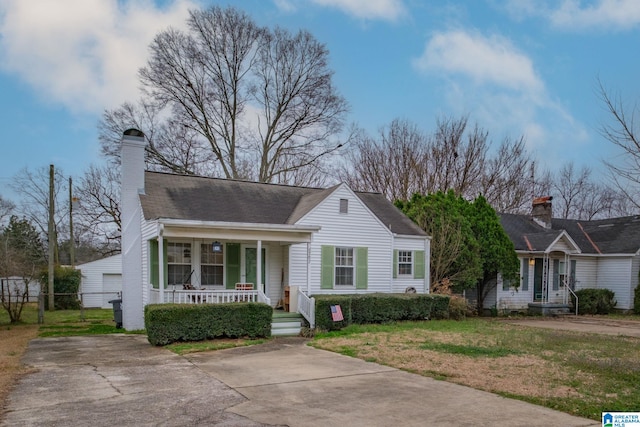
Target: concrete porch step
<point x="286" y="324"/>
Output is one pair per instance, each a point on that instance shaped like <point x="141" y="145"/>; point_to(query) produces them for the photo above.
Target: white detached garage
<point x="101" y="281"/>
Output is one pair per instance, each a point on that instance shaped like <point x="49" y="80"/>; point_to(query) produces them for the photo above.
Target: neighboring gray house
<point x="557" y="254"/>
<point x="192" y="239"/>
<point x="101" y="281"/>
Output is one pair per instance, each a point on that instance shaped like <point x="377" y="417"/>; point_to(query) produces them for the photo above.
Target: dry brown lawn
<point x="13" y="343"/>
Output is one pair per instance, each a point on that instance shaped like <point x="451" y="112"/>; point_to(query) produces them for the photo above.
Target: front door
<point x="251" y="266"/>
<point x="537" y="279"/>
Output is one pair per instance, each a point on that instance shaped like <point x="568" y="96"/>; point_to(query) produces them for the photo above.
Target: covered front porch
<point x="215" y="263"/>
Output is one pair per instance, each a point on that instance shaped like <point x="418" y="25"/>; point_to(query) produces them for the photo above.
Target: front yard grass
<point x="578" y="373"/>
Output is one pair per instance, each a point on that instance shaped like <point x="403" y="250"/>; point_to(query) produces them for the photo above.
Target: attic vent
<point x="344" y="206"/>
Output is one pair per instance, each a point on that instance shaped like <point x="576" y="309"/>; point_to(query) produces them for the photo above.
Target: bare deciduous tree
<point x="33" y="188"/>
<point x="98" y="216"/>
<point x="6" y="207"/>
<point x="230" y="98"/>
<point x="624" y="134"/>
<point x="404" y="160"/>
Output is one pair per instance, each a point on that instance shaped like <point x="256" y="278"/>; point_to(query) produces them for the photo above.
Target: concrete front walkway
<point x="122" y="380"/>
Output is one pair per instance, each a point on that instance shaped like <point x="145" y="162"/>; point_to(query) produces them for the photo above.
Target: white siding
<point x="562" y="246"/>
<point x="586" y="272"/>
<point x="512" y="299"/>
<point x="357" y="228"/>
<point x="92" y="285"/>
<point x="401" y="283"/>
<point x="615" y="274"/>
<point x="149" y="231"/>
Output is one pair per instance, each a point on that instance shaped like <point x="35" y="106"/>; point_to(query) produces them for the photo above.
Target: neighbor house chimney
<point x="541" y="211"/>
<point x="132" y="184"/>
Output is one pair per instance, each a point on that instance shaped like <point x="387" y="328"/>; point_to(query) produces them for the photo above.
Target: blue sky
<point x="516" y="67"/>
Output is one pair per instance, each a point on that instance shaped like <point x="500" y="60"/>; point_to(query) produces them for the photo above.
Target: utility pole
<point x="72" y="244"/>
<point x="51" y="237"/>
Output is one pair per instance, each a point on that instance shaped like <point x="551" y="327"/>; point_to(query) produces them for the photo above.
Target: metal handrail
<point x="575" y="296"/>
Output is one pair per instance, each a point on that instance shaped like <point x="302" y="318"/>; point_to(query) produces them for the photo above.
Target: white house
<point x="101" y="281"/>
<point x="194" y="239"/>
<point x="560" y="255"/>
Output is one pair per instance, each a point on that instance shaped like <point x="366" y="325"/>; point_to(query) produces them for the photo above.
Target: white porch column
<point x="259" y="267"/>
<point x="161" y="263"/>
<point x="308" y="268"/>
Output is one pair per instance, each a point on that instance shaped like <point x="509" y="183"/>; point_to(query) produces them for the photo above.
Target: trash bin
<point x="117" y="312"/>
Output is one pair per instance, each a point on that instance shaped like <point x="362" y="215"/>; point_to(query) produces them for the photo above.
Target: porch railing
<point x="307" y="307"/>
<point x="201" y="296"/>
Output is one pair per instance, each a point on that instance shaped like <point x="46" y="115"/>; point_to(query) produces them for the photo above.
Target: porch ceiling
<point x="236" y="231"/>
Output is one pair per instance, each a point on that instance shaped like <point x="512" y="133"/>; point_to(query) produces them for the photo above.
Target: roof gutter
<point x="249" y="226"/>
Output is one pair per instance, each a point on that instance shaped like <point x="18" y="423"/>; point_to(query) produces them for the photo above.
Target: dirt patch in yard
<point x="14" y="341"/>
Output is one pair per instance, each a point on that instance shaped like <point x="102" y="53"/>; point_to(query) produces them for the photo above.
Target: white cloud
<point x="494" y="82"/>
<point x="484" y="59"/>
<point x="84" y="54"/>
<point x="390" y="10"/>
<point x="615" y="14"/>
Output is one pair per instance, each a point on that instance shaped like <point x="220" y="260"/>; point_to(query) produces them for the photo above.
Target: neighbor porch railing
<point x="205" y="296"/>
<point x="568" y="288"/>
<point x="307" y="307"/>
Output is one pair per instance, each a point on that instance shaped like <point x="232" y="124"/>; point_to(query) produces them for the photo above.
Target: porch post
<point x="308" y="268"/>
<point x="161" y="263"/>
<point x="259" y="267"/>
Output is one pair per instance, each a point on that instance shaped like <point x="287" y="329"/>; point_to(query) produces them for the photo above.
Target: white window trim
<point x="352" y="266"/>
<point x="413" y="257"/>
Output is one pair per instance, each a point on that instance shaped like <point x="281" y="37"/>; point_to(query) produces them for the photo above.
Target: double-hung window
<point x="211" y="265"/>
<point x="344" y="267"/>
<point x="178" y="263"/>
<point x="405" y="263"/>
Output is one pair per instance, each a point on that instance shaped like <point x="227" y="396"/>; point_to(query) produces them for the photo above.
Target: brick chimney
<point x="132" y="184"/>
<point x="541" y="211"/>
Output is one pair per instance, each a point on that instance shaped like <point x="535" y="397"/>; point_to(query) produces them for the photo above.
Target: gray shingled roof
<point x="211" y="199"/>
<point x="607" y="236"/>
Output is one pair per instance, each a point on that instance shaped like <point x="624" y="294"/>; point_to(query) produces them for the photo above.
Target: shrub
<point x="636" y="300"/>
<point x="379" y="308"/>
<point x="323" y="311"/>
<point x="458" y="307"/>
<point x="595" y="301"/>
<point x="168" y="323"/>
<point x="66" y="280"/>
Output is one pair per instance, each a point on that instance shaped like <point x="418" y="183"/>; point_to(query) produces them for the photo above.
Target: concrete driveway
<point x="586" y="324"/>
<point x="122" y="380"/>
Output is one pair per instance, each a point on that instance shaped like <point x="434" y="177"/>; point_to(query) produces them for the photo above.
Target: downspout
<point x="161" y="262"/>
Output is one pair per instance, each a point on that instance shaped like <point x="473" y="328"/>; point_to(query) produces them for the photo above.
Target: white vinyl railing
<point x="181" y="296"/>
<point x="307" y="307"/>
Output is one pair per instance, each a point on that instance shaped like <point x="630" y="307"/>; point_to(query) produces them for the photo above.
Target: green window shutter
<point x="232" y="264"/>
<point x="572" y="277"/>
<point x="395" y="263"/>
<point x="362" y="266"/>
<point x="506" y="283"/>
<point x="556" y="274"/>
<point x="525" y="274"/>
<point x="154" y="267"/>
<point x="418" y="265"/>
<point x="165" y="244"/>
<point x="326" y="267"/>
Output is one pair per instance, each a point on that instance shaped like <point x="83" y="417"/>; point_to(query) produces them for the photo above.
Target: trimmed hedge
<point x="636" y="300"/>
<point x="379" y="308"/>
<point x="595" y="301"/>
<point x="168" y="323"/>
